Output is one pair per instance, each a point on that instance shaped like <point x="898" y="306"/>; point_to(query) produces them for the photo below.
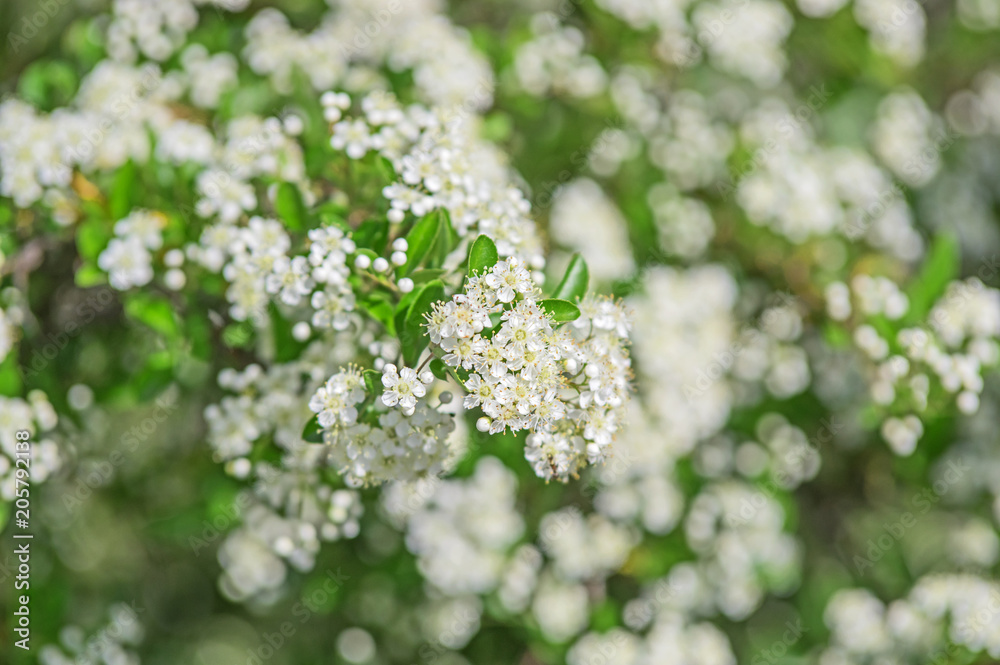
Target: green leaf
<point x="372" y="234"/>
<point x="122" y="190"/>
<point x="419" y="241"/>
<point x="439" y="369"/>
<point x="92" y="237"/>
<point x="413" y="337"/>
<point x="286" y="347"/>
<point x="154" y="311"/>
<point x="426" y="275"/>
<point x="238" y="335"/>
<point x="379" y="308"/>
<point x="483" y="255"/>
<point x="445" y="241"/>
<point x="373" y="382"/>
<point x="940" y="267"/>
<point x="289" y="206"/>
<point x="89" y="275"/>
<point x="575" y="280"/>
<point x="10" y="376"/>
<point x="312" y="432"/>
<point x="561" y="310"/>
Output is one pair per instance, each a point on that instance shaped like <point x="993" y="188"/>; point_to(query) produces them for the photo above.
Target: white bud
<point x="239" y="468"/>
<point x="380" y="265"/>
<point x="175" y="279"/>
<point x="483" y="424"/>
<point x="427" y="377"/>
<point x="405" y="285"/>
<point x="445" y="397"/>
<point x="400" y="244"/>
<point x="174" y="258"/>
<point x="293" y="125"/>
<point x="301" y="331"/>
<point x="398" y="258"/>
<point x="332" y="114"/>
<point x="362" y="262"/>
<point x="396" y="215"/>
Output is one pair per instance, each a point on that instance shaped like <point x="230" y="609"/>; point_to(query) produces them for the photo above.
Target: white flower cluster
<point x="950" y="351"/>
<point x="292" y="508"/>
<point x="112" y="643"/>
<point x="553" y="60"/>
<point x="127" y="258"/>
<point x="584" y="548"/>
<point x="736" y="529"/>
<point x="801" y="189"/>
<point x="895" y="28"/>
<point x="690" y="145"/>
<point x="603" y="240"/>
<point x="941" y="612"/>
<point x="907" y="137"/>
<point x="38" y="152"/>
<point x="567" y="385"/>
<point x="443" y="164"/>
<point x="745" y="37"/>
<point x="462" y="534"/>
<point x="36" y="415"/>
<point x="401" y="447"/>
<point x="156" y="28"/>
<point x="349" y="46"/>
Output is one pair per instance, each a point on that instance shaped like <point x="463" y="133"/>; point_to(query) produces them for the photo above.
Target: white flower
<point x="508" y="279"/>
<point x="290" y="278"/>
<point x="403" y="388"/>
<point x="335" y="401"/>
<point x="127" y="263"/>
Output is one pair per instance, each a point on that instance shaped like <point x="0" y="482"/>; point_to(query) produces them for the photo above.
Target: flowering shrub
<point x="599" y="332"/>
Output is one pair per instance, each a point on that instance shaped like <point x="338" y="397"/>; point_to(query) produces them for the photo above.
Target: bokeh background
<point x="737" y="171"/>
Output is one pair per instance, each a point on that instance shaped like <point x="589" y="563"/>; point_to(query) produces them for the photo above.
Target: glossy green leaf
<point x="373" y="381"/>
<point x="413" y="337"/>
<point x="575" y="280"/>
<point x="312" y="432"/>
<point x="154" y="311"/>
<point x="439" y="369"/>
<point x="289" y="206"/>
<point x="372" y="234"/>
<point x="483" y="255"/>
<point x="123" y="188"/>
<point x="419" y="241"/>
<point x="941" y="266"/>
<point x="561" y="310"/>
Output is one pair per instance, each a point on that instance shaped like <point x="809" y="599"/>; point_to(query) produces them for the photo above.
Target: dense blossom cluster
<point x="567" y="384"/>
